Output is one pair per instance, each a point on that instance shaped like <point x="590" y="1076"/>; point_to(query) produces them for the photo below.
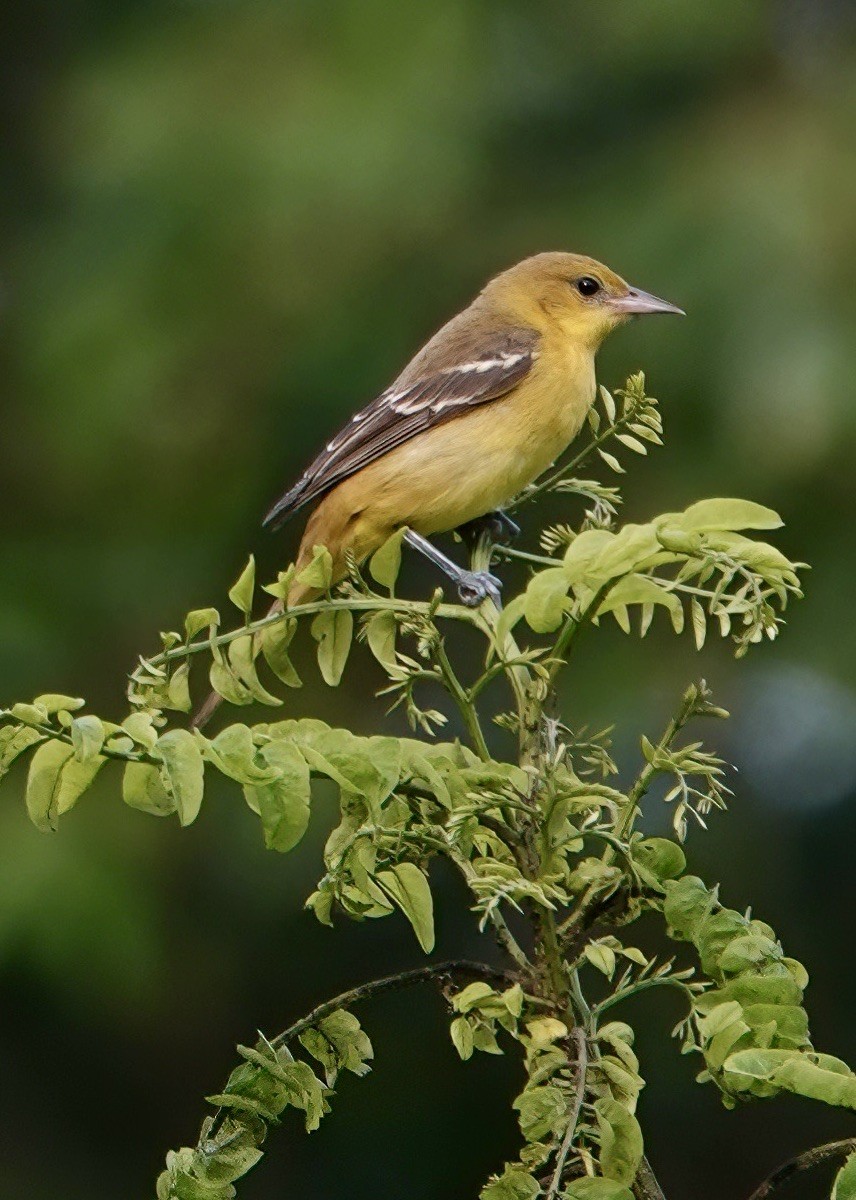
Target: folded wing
<point x="428" y="393"/>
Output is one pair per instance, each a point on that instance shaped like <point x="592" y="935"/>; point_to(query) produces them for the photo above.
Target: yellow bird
<point x="483" y="409"/>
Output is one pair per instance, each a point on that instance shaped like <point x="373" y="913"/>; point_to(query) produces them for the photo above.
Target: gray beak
<point x="637" y="302"/>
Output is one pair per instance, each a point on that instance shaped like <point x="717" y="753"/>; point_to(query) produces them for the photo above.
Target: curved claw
<point x="476" y="586"/>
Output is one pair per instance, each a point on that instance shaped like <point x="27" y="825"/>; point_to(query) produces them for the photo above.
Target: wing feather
<point x="426" y="394"/>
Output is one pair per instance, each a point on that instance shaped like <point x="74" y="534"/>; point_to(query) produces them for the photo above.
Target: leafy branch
<point x="531" y="814"/>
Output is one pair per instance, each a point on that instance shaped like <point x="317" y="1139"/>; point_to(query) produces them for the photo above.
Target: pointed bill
<point x="637" y="302"/>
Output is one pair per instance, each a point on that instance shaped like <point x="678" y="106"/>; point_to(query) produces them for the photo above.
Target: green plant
<point x="536" y="826"/>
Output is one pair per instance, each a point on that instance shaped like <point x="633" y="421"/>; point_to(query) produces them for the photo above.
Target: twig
<point x="464" y="701"/>
<point x="687" y="709"/>
<point x="645" y="1185"/>
<point x="391" y="983"/>
<point x="803" y="1162"/>
<point x="579" y="1040"/>
<point x="454" y="612"/>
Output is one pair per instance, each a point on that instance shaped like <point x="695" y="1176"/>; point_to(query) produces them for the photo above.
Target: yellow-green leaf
<point x="333" y="630"/>
<point x="319" y="573"/>
<point x="56" y="781"/>
<point x="385" y="563"/>
<point x="275" y="641"/>
<point x="199" y="619"/>
<point x="282" y="802"/>
<point x="241" y="593"/>
<point x="87" y="738"/>
<point x="183" y="769"/>
<point x="407" y="886"/>
<point x="143" y="788"/>
<point x="381" y="630"/>
<point x="621" y="1145"/>
<point x="546" y="600"/>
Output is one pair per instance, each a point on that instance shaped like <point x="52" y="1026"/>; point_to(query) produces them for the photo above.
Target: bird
<point x="483" y="409"/>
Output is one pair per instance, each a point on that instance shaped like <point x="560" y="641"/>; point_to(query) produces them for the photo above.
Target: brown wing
<point x="479" y="373"/>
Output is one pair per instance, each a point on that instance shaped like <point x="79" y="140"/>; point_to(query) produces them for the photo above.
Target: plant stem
<point x="504" y="935"/>
<point x="463" y="700"/>
<point x="581" y="1065"/>
<point x="645" y="1185"/>
<point x="642" y="986"/>
<point x="62" y="735"/>
<point x="391" y="983"/>
<point x="646" y="775"/>
<point x="571" y="628"/>
<point x="556" y="974"/>
<point x="803" y="1162"/>
<point x="452" y="612"/>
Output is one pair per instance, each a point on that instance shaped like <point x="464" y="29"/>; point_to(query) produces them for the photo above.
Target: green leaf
<point x="407" y="886"/>
<point x="183" y="769"/>
<point x="638" y="589"/>
<point x="602" y="957"/>
<point x="352" y="1046"/>
<point x="844" y="1187"/>
<point x="513" y="1184"/>
<point x="233" y="752"/>
<point x="56" y="781"/>
<point x="385" y="563"/>
<point x="282" y="802"/>
<point x="53" y="702"/>
<point x="461" y="1033"/>
<point x="242" y="661"/>
<point x="226" y="684"/>
<point x="178" y="691"/>
<point x="541" y="1112"/>
<point x="543" y="1031"/>
<point x="687" y="904"/>
<point x="472" y="996"/>
<point x="621" y="1145"/>
<point x="381" y="631"/>
<point x="593" y="1188"/>
<point x="319" y="573"/>
<point x="338" y="1043"/>
<point x="816" y="1076"/>
<point x="725" y="514"/>
<point x="199" y="619"/>
<point x="546" y="600"/>
<point x="87" y="738"/>
<point x="275" y="641"/>
<point x="241" y="594"/>
<point x="333" y="630"/>
<point x="14" y="740"/>
<point x="281" y="588"/>
<point x="143" y="788"/>
<point x="663" y="857"/>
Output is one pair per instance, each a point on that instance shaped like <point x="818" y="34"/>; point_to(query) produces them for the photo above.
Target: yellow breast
<point x="479" y="460"/>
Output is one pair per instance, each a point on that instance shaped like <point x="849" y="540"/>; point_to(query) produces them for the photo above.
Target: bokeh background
<point x="225" y="225"/>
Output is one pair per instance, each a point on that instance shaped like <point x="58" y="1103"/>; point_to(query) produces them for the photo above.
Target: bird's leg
<point x="473" y="586"/>
<point x="497" y="525"/>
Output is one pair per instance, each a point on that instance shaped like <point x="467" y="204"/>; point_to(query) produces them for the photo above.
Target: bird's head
<point x="580" y="295"/>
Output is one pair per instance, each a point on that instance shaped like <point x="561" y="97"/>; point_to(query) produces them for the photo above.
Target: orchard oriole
<point x="484" y="407"/>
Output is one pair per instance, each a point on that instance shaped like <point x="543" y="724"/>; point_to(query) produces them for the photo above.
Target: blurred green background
<point x="226" y="225"/>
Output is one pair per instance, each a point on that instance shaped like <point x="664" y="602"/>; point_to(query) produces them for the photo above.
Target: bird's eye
<point x="588" y="286"/>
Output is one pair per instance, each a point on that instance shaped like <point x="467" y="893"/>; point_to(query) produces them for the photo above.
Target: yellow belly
<point x="458" y="471"/>
<point x="480" y="460"/>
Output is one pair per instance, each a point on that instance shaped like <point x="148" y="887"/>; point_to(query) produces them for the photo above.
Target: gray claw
<point x="476" y="586"/>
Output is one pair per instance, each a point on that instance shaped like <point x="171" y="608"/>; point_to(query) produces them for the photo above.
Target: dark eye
<point x="588" y="286"/>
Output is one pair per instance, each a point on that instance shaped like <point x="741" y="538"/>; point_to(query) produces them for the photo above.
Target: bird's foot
<point x="476" y="586"/>
<point x="498" y="526"/>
